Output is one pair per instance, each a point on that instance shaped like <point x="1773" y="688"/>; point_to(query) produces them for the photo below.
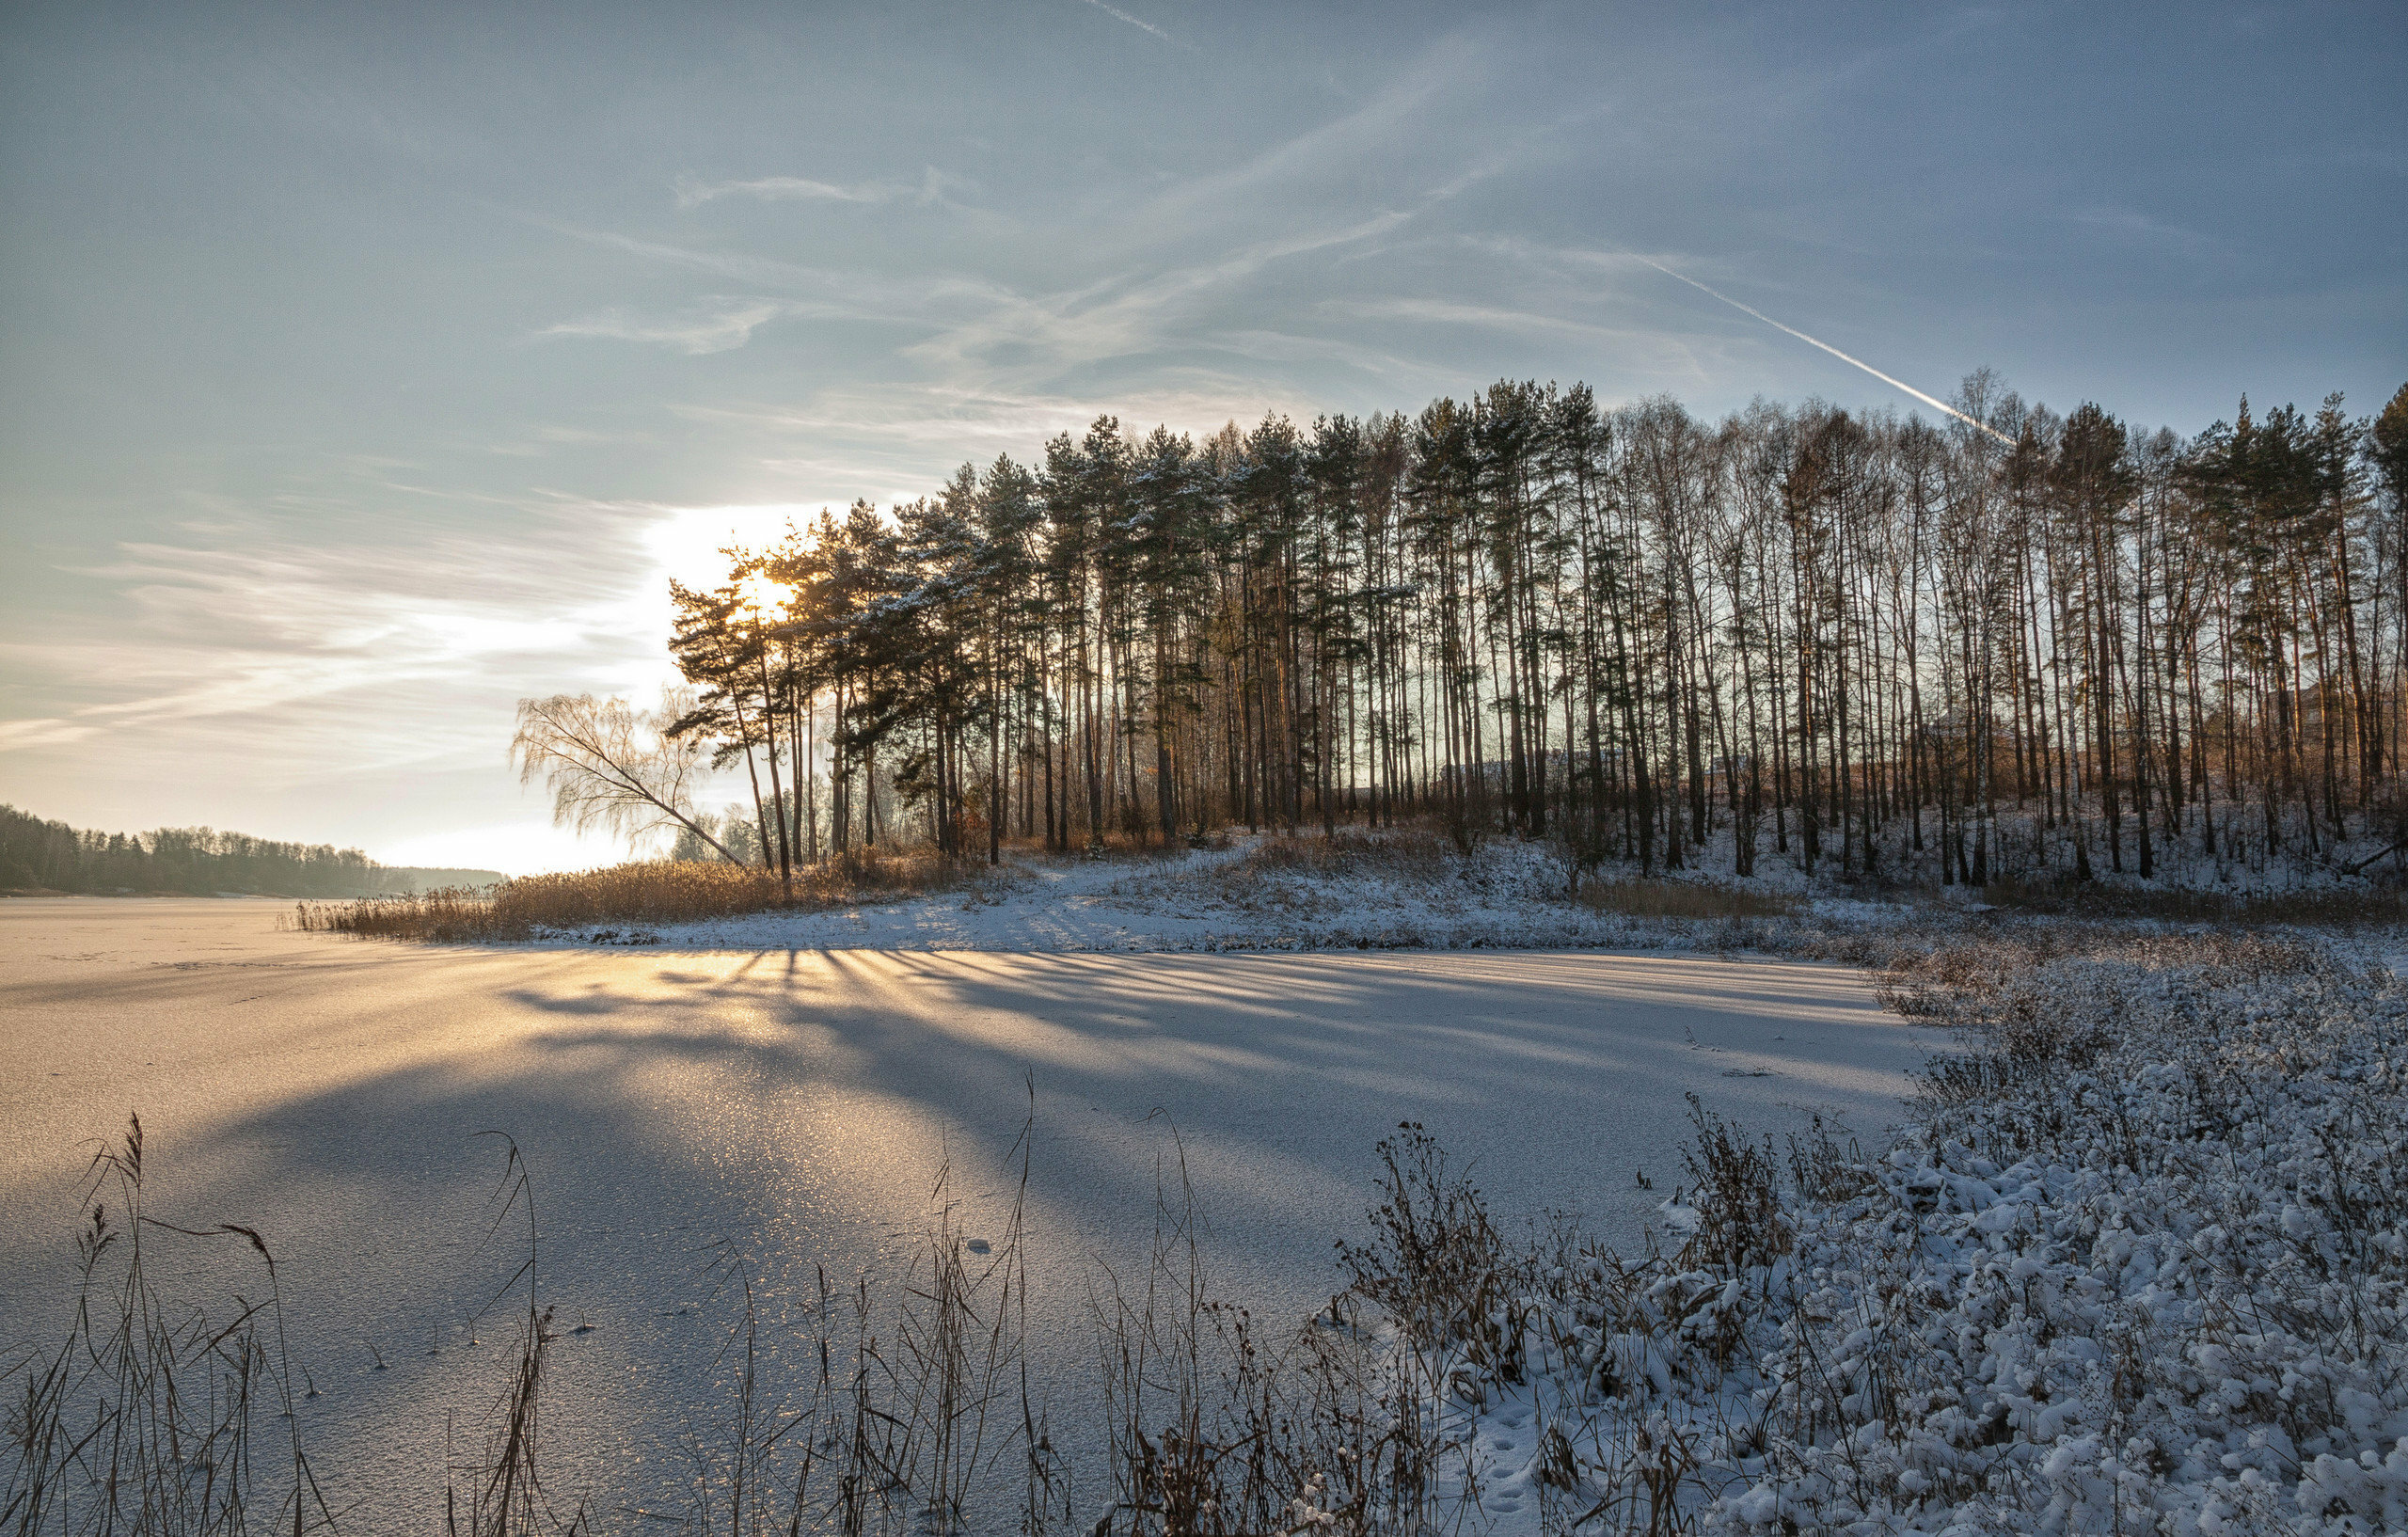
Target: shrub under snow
<point x="2139" y="1264"/>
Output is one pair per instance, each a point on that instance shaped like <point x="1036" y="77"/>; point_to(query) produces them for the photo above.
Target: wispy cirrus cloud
<point x="842" y="294"/>
<point x="934" y="187"/>
<point x="974" y="327"/>
<point x="2132" y="224"/>
<point x="292" y="678"/>
<point x="915" y="420"/>
<point x="784" y="189"/>
<point x="1027" y="336"/>
<point x="1655" y="353"/>
<point x="766" y="271"/>
<point x="294" y="657"/>
<point x="1296" y="171"/>
<point x="1163" y="284"/>
<point x="888" y="443"/>
<point x="1490" y="316"/>
<point x="695" y="335"/>
<point x="45" y="731"/>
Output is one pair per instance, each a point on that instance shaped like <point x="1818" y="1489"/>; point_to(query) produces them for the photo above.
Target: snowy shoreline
<point x="1509" y="897"/>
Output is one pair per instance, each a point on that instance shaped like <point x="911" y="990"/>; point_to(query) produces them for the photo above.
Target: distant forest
<point x="52" y="856"/>
<point x="2029" y="643"/>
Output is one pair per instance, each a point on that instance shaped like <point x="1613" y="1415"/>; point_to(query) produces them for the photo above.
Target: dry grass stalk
<point x="505" y="1492"/>
<point x="1218" y="1432"/>
<point x="141" y="1421"/>
<point x="919" y="1405"/>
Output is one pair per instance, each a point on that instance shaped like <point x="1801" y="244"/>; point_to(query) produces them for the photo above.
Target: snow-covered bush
<point x="2139" y="1263"/>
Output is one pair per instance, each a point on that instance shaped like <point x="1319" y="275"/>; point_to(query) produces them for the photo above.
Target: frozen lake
<point x="792" y="1108"/>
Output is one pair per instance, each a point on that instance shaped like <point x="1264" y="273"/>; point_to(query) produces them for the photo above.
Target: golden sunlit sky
<point x="368" y="368"/>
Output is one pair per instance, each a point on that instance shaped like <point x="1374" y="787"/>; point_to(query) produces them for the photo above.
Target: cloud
<point x="1161" y="281"/>
<point x="846" y="294"/>
<point x="765" y="271"/>
<point x="2139" y="226"/>
<point x="891" y="442"/>
<point x="787" y="189"/>
<point x="933" y="188"/>
<point x="544" y="440"/>
<point x="1303" y="165"/>
<point x="724" y="331"/>
<point x="289" y="656"/>
<point x="978" y="328"/>
<point x="1490" y="317"/>
<point x="343" y="670"/>
<point x="933" y="417"/>
<point x="1272" y="346"/>
<point x="48" y="732"/>
<point x="1128" y="314"/>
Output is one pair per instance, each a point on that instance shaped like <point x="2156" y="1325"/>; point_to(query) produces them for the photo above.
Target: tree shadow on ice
<point x="795" y="1105"/>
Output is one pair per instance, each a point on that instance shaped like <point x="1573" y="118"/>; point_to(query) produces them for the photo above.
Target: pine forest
<point x="2018" y="645"/>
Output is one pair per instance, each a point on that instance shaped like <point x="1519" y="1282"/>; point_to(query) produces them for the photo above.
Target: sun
<point x="687" y="542"/>
<point x="762" y="594"/>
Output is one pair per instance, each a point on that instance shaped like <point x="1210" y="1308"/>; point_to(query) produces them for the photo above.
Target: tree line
<point x="2016" y="644"/>
<point x="38" y="855"/>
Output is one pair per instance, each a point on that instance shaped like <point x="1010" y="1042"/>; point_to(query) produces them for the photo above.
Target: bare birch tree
<point x="611" y="766"/>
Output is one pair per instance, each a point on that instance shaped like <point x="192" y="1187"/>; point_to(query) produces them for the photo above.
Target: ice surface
<point x="790" y="1104"/>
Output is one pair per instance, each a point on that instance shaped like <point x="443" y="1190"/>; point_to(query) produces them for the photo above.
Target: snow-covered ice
<point x="793" y="1106"/>
<point x="2152" y="1274"/>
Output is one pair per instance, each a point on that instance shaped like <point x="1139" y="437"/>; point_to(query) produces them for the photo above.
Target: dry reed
<point x="643" y="893"/>
<point x="141" y="1421"/>
<point x="1222" y="1428"/>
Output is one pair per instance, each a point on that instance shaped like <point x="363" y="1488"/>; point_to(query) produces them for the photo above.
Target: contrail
<point x="1141" y="25"/>
<point x="1895" y="384"/>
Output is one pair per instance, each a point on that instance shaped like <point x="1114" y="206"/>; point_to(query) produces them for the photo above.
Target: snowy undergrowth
<point x="1405" y="890"/>
<point x="1409" y="889"/>
<point x="2139" y="1263"/>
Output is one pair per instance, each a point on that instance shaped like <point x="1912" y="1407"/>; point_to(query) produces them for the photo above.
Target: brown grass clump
<point x="1402" y="850"/>
<point x="1926" y="971"/>
<point x="647" y="891"/>
<point x="1640" y="897"/>
<point x="1298" y="877"/>
<point x="2325" y="908"/>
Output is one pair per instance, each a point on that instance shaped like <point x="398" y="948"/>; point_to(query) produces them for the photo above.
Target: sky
<point x="365" y="368"/>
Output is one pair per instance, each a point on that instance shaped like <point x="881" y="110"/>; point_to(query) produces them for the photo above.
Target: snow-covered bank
<point x="1378" y="895"/>
<point x="2140" y="1262"/>
<point x="1408" y="889"/>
